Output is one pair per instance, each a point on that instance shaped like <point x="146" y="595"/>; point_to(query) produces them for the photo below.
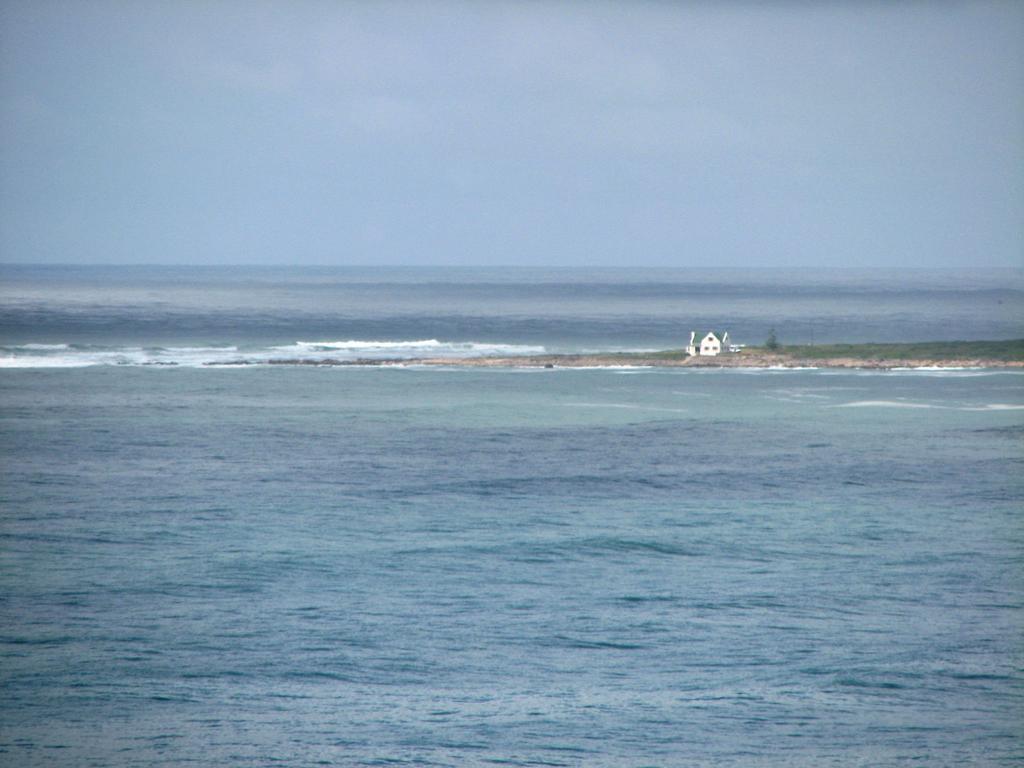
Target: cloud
<point x="593" y="128"/>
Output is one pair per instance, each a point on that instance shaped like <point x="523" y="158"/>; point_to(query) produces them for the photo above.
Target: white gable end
<point x="710" y="345"/>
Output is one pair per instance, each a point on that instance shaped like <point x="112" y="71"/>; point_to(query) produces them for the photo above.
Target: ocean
<point x="257" y="565"/>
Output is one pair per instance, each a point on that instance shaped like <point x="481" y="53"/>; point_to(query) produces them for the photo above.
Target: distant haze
<point x="590" y="133"/>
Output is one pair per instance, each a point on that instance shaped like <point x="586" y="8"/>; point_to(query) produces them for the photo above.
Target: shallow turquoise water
<point x="471" y="567"/>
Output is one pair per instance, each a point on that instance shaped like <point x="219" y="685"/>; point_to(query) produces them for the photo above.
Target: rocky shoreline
<point x="655" y="360"/>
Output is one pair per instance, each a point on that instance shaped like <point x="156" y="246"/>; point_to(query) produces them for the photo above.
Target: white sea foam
<point x="883" y="404"/>
<point x="68" y="356"/>
<point x="353" y="344"/>
<point x="13" y="361"/>
<point x="994" y="407"/>
<point x="802" y="394"/>
<point x="174" y="350"/>
<point x="908" y="404"/>
<point x="377" y="350"/>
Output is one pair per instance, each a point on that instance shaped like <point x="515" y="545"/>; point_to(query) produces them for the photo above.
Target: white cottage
<point x="710" y="345"/>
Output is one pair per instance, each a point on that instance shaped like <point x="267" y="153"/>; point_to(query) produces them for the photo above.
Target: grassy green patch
<point x="930" y="350"/>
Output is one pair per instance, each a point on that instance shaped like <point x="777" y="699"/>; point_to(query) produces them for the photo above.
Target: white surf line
<point x="883" y="404"/>
<point x="903" y="404"/>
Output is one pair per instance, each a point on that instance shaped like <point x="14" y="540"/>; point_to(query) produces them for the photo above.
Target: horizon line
<point x="617" y="267"/>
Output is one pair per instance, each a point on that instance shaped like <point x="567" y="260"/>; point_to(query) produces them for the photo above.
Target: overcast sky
<point x="588" y="133"/>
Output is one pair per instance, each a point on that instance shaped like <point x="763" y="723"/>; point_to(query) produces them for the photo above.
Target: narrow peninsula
<point x="937" y="354"/>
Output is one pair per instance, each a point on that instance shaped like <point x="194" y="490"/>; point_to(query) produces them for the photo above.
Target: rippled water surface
<point x="463" y="567"/>
<point x="260" y="565"/>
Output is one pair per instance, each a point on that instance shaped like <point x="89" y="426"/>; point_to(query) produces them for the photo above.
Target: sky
<point x="673" y="134"/>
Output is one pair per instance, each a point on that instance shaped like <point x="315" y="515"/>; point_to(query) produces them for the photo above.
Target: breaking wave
<point x="910" y="404"/>
<point x="884" y="404"/>
<point x="402" y="349"/>
<point x="82" y="355"/>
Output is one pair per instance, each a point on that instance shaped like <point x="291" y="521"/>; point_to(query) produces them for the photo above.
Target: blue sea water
<point x="191" y="315"/>
<point x="257" y="565"/>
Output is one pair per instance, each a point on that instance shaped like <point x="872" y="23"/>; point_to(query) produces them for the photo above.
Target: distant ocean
<point x="253" y="566"/>
<point x="63" y="316"/>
